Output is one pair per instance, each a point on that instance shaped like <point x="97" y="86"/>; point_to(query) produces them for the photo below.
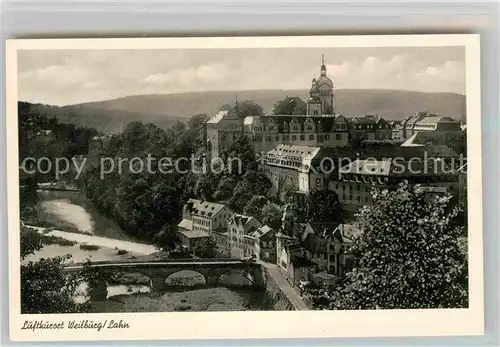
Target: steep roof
<point x="249" y="223"/>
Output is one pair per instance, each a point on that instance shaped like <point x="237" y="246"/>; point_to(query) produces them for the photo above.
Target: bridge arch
<point x="186" y="278"/>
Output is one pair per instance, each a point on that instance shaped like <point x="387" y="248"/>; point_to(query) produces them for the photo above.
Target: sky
<point x="63" y="77"/>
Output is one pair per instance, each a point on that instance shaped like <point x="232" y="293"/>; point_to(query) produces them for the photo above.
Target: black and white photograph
<point x="215" y="175"/>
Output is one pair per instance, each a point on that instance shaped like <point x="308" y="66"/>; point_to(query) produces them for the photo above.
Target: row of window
<point x="302" y="137"/>
<point x="387" y="126"/>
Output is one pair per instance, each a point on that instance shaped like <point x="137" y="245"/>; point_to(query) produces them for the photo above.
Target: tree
<point x="45" y="288"/>
<point x="287" y="194"/>
<point x="205" y="248"/>
<point x="410" y="254"/>
<point x="271" y="215"/>
<point x="197" y="120"/>
<point x="246" y="108"/>
<point x="253" y="183"/>
<point x="165" y="240"/>
<point x="254" y="206"/>
<point x="206" y="185"/>
<point x="225" y="187"/>
<point x="290" y="106"/>
<point x="31" y="241"/>
<point x="323" y="207"/>
<point x="242" y="151"/>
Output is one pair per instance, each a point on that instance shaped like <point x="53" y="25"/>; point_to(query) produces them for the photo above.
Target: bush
<point x="86" y="247"/>
<point x="56" y="240"/>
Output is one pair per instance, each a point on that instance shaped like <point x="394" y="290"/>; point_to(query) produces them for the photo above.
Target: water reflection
<point x="73" y="214"/>
<point x="67" y="210"/>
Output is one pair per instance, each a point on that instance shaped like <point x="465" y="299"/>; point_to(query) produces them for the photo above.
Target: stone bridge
<point x="159" y="271"/>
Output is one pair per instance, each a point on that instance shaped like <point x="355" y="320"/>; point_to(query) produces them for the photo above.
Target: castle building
<point x="318" y="125"/>
<point x="222" y="130"/>
<point x="311" y="123"/>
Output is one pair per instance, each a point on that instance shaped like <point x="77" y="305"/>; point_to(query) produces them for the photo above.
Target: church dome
<point x="324" y="81"/>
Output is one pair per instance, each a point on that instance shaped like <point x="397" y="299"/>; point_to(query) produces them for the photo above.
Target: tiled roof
<point x="299" y="152"/>
<point x="204" y="208"/>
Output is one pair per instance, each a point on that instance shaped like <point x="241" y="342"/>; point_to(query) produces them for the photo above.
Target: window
<point x="327" y="137"/>
<point x="337" y="136"/>
<point x="294" y="137"/>
<point x="311" y="137"/>
<point x="277" y="137"/>
<point x="302" y="137"/>
<point x="318" y="182"/>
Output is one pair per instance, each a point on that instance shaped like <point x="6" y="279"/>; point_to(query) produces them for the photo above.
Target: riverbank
<point x="102" y="242"/>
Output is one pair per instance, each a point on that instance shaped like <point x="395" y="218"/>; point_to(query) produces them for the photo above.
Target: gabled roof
<point x="250" y="224"/>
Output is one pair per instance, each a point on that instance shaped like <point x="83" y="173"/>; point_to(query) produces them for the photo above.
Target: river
<point x="76" y="218"/>
<point x="73" y="210"/>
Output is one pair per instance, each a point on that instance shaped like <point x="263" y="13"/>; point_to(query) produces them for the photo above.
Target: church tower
<point x="321" y="94"/>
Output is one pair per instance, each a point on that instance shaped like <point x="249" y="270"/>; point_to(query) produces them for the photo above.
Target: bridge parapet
<point x="159" y="271"/>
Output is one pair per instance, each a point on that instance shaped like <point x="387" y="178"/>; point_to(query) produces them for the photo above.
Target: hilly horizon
<point x="390" y="104"/>
<point x="165" y="109"/>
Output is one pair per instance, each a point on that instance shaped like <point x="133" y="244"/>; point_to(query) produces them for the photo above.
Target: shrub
<point x="86" y="247"/>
